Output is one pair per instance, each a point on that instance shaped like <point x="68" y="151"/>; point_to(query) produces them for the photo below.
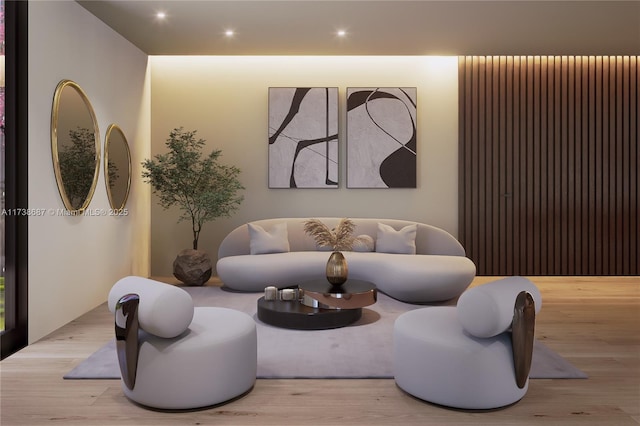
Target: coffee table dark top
<point x="336" y="307"/>
<point x="293" y="314"/>
<point x="352" y="294"/>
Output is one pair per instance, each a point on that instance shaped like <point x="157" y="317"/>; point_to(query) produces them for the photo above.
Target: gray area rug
<point x="361" y="350"/>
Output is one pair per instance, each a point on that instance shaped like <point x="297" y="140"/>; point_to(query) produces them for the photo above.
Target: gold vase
<point x="337" y="269"/>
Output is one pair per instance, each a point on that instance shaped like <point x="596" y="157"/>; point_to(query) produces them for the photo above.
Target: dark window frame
<point x="15" y="335"/>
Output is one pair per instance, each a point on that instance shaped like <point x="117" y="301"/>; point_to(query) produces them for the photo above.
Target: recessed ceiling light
<point x="161" y="15"/>
<point x="341" y="33"/>
<point x="229" y="33"/>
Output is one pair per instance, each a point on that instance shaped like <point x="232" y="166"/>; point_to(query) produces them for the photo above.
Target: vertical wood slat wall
<point x="549" y="160"/>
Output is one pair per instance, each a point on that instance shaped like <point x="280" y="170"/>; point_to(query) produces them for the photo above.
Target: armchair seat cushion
<point x="175" y="356"/>
<point x="437" y="361"/>
<point x="213" y="361"/>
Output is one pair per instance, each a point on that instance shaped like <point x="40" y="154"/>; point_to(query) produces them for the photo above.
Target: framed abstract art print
<point x="381" y="137"/>
<point x="303" y="137"/>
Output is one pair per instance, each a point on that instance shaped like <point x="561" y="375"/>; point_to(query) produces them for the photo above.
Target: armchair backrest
<point x="509" y="304"/>
<point x="487" y="310"/>
<point x="159" y="309"/>
<point x="165" y="310"/>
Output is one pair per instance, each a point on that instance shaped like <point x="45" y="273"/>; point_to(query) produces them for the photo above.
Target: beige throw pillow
<point x="363" y="243"/>
<point x="400" y="242"/>
<point x="275" y="240"/>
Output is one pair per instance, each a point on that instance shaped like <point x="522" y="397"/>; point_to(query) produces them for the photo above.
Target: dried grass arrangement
<point x="339" y="238"/>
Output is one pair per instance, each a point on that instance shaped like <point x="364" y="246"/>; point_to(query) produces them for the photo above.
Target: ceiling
<point x="393" y="27"/>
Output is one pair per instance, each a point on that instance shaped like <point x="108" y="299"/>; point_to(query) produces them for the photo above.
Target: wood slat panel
<point x="506" y="113"/>
<point x="631" y="214"/>
<point x="549" y="164"/>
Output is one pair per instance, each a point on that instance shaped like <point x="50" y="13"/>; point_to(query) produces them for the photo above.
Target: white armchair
<point x="175" y="356"/>
<point x="476" y="355"/>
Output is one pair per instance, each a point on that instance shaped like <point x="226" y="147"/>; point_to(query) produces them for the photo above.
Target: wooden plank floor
<point x="594" y="322"/>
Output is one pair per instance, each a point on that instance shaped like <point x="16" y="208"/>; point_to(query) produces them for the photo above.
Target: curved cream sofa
<point x="438" y="271"/>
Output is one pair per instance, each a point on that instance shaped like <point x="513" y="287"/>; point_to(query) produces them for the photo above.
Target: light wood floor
<point x="593" y="322"/>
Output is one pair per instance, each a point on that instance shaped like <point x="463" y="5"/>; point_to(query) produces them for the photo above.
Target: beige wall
<point x="225" y="99"/>
<point x="74" y="261"/>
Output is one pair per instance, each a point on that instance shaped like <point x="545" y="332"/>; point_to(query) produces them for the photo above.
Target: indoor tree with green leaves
<point x="202" y="187"/>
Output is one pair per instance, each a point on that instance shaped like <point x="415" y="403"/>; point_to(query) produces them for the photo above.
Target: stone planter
<point x="192" y="267"/>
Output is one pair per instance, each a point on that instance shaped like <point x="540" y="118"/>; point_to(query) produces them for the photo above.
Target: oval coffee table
<point x="320" y="306"/>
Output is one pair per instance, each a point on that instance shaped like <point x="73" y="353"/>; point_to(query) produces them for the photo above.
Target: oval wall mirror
<point x="75" y="146"/>
<point x="117" y="166"/>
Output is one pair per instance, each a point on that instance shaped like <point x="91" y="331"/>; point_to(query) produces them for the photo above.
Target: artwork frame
<point x="382" y="137"/>
<point x="303" y="137"/>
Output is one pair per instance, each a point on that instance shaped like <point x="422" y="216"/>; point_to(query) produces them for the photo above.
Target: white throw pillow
<point x="363" y="243"/>
<point x="276" y="240"/>
<point x="401" y="242"/>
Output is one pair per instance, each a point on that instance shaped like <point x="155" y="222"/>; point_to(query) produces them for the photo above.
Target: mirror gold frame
<point x="75" y="146"/>
<point x="117" y="161"/>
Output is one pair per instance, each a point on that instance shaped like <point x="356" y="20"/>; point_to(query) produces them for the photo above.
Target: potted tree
<point x="201" y="187"/>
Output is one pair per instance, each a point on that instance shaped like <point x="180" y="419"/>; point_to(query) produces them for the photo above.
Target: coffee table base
<point x="295" y="315"/>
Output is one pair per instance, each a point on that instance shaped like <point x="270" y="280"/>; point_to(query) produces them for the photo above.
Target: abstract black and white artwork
<point x="381" y="137"/>
<point x="303" y="137"/>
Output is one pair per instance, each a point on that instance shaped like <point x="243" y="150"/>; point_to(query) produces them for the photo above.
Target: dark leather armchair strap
<point x="522" y="333"/>
<point x="127" y="337"/>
